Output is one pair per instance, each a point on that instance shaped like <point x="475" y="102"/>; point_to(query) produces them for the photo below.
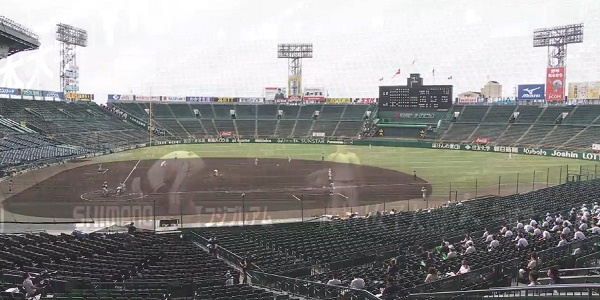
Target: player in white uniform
<point x="289" y="159"/>
<point x="256" y="161"/>
<point x="329" y="175"/>
<point x="99" y="168"/>
<point x="105" y="189"/>
<point x="120" y="188"/>
<point x="424" y="191"/>
<point x="331" y="188"/>
<point x="216" y="172"/>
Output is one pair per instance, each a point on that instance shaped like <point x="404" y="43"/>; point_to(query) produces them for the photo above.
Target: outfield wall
<point x="583" y="155"/>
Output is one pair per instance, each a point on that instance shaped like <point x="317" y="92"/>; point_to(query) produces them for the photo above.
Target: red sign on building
<point x="555" y="84"/>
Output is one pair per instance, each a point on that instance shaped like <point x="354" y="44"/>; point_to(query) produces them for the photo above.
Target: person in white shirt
<point x="583" y="226"/>
<point x="566" y="223"/>
<point x="528" y="228"/>
<point x="504" y="229"/>
<point x="470" y="248"/>
<point x="452" y="253"/>
<point x="334" y="280"/>
<point x="555" y="228"/>
<point x="522" y="243"/>
<point x="579" y="235"/>
<point x="549" y="217"/>
<point x="519" y="225"/>
<point x="537" y="232"/>
<point x="533" y="222"/>
<point x="595" y="229"/>
<point x="494" y="243"/>
<point x="559" y="218"/>
<point x="508" y="234"/>
<point x="545" y="224"/>
<point x="466" y="240"/>
<point x="489" y="238"/>
<point x="563" y="241"/>
<point x="464" y="268"/>
<point x="566" y="230"/>
<point x="546" y="235"/>
<point x="357" y="283"/>
<point x="486" y="233"/>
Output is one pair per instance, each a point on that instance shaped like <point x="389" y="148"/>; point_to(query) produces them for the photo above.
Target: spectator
<point x="579" y="234"/>
<point x="432" y="275"/>
<point x="553" y="274"/>
<point x="563" y="240"/>
<point x="531" y="266"/>
<point x="393" y="268"/>
<point x="494" y="243"/>
<point x="334" y="279"/>
<point x="228" y="278"/>
<point x="566" y="230"/>
<point x="246" y="266"/>
<point x="452" y="253"/>
<point x="391" y="288"/>
<point x="470" y="248"/>
<point x="486" y="233"/>
<point x="357" y="283"/>
<point x="508" y="234"/>
<point x="533" y="222"/>
<point x="546" y="235"/>
<point x="537" y="231"/>
<point x="522" y="242"/>
<point x="533" y="279"/>
<point x="131" y="228"/>
<point x="464" y="268"/>
<point x="31" y="290"/>
<point x="595" y="229"/>
<point x="212" y="246"/>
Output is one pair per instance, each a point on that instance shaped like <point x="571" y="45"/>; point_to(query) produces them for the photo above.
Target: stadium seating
<point x="569" y="127"/>
<point x="251" y="120"/>
<point x="356" y="245"/>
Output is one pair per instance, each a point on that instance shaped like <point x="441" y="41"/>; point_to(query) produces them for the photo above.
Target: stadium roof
<point x="16" y="37"/>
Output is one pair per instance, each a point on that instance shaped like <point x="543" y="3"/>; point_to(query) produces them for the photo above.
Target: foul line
<point x="296" y="198"/>
<point x="136" y="164"/>
<point x="344" y="196"/>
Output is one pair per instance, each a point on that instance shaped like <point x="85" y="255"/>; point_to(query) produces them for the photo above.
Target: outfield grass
<point x="446" y="170"/>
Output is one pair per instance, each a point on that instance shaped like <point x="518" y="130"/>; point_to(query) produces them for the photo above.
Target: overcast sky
<point x="228" y="47"/>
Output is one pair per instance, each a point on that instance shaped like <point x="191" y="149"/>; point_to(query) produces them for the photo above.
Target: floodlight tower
<point x="295" y="53"/>
<point x="69" y="37"/>
<point x="557" y="39"/>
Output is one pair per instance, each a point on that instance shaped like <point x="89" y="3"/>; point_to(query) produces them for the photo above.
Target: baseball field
<point x="258" y="182"/>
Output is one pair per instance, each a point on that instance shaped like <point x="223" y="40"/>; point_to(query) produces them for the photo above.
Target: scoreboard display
<point x="415" y="95"/>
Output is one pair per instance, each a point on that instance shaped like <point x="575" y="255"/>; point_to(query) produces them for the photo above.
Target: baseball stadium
<point x="417" y="192"/>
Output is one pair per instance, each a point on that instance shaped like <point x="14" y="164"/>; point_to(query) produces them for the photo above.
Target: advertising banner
<point x="481" y="141"/>
<point x="79" y="96"/>
<point x="469" y="99"/>
<point x="584" y="90"/>
<point x="115" y="97"/>
<point x="363" y="100"/>
<point x="226" y="133"/>
<point x="225" y="100"/>
<point x="555" y="84"/>
<point x="596" y="147"/>
<point x="9" y="91"/>
<point x="146" y="98"/>
<point x="32" y="93"/>
<point x="172" y="98"/>
<point x="337" y="100"/>
<point x="531" y="92"/>
<point x="278" y="94"/>
<point x="71" y="74"/>
<point x="295" y="88"/>
<point x="72" y="88"/>
<point x="71" y="81"/>
<point x="318" y="134"/>
<point x="57" y="95"/>
<point x="314" y="94"/>
<point x="199" y="99"/>
<point x="249" y="100"/>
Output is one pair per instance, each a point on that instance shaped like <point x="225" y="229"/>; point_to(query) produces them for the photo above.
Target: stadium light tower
<point x="69" y="37"/>
<point x="295" y="53"/>
<point x="557" y="39"/>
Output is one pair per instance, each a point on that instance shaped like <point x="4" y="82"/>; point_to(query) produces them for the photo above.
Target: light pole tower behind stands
<point x="70" y="37"/>
<point x="294" y="53"/>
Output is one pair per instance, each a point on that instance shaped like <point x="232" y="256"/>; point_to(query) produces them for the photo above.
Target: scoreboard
<point x="415" y="95"/>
